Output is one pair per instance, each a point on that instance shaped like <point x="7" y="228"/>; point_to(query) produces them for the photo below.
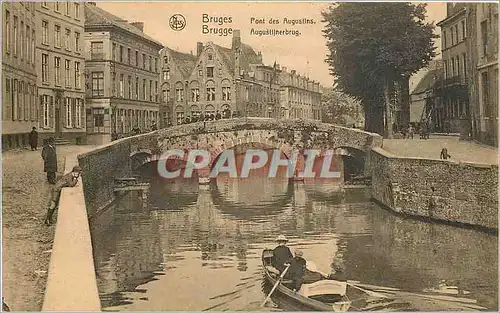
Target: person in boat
<point x="297" y="270"/>
<point x="281" y="254"/>
<point x="338" y="270"/>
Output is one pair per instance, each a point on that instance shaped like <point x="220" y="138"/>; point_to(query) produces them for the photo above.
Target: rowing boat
<point x="323" y="295"/>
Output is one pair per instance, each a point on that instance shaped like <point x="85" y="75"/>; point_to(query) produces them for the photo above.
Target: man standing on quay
<point x="33" y="138"/>
<point x="49" y="157"/>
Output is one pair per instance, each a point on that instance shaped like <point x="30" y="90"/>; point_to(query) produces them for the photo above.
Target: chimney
<point x="236" y="39"/>
<point x="138" y="25"/>
<point x="199" y="48"/>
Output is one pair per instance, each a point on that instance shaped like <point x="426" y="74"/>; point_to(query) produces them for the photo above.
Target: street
<point x="26" y="241"/>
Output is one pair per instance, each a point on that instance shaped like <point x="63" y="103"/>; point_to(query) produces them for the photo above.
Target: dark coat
<point x="297" y="267"/>
<point x="49" y="157"/>
<point x="67" y="180"/>
<point x="33" y="138"/>
<point x="281" y="255"/>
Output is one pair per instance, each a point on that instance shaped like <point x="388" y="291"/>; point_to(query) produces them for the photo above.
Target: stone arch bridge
<point x="285" y="135"/>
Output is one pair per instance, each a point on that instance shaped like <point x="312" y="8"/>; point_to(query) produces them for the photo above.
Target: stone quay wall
<point x="102" y="165"/>
<point x="461" y="193"/>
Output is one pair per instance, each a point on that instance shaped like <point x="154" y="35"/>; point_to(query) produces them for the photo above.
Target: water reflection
<point x="199" y="251"/>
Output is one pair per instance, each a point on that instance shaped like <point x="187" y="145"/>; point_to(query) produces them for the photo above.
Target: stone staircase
<point x="62" y="142"/>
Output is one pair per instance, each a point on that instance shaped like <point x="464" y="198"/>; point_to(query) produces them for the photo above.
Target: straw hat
<point x="281" y="238"/>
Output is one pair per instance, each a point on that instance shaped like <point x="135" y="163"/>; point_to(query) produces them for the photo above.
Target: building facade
<point x="299" y="96"/>
<point x="60" y="65"/>
<point x="220" y="82"/>
<point x="19" y="67"/>
<point x="454" y="113"/>
<point x="483" y="81"/>
<point x="122" y="76"/>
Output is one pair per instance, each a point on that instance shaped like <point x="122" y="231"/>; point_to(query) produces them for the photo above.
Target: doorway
<point x="57" y="123"/>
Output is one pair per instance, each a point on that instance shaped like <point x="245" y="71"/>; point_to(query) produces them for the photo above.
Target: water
<point x="199" y="248"/>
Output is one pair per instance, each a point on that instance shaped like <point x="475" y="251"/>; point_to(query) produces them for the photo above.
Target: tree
<point x="374" y="45"/>
<point x="337" y="105"/>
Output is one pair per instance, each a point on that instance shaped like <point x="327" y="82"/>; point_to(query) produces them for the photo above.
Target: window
<point x="195" y="94"/>
<point x="484" y="36"/>
<point x="16" y="36"/>
<point x="129" y="84"/>
<point x="78" y="76"/>
<point x="137" y="58"/>
<point x="45" y="32"/>
<point x="166" y="75"/>
<point x="96" y="50"/>
<point x="77" y="10"/>
<point x="150" y="63"/>
<point x="121" y="54"/>
<point x="33" y="46"/>
<point x="156" y="92"/>
<point x="464" y="31"/>
<point x="137" y="87"/>
<point x="28" y="44"/>
<point x="144" y="61"/>
<point x="444" y="39"/>
<point x="156" y="65"/>
<point x="465" y="65"/>
<point x="22" y="41"/>
<point x="226" y="93"/>
<point x="129" y="55"/>
<point x="57" y="36"/>
<point x="77" y="42"/>
<point x="113" y="84"/>
<point x="166" y="95"/>
<point x="485" y="94"/>
<point x="144" y="94"/>
<point x="56" y="6"/>
<point x="165" y="59"/>
<point x="57" y="70"/>
<point x="97" y="83"/>
<point x="452" y="35"/>
<point x="113" y="52"/>
<point x="78" y="112"/>
<point x="7" y="32"/>
<point x="211" y="94"/>
<point x="179" y="94"/>
<point x="456" y="34"/>
<point x="98" y="115"/>
<point x="210" y="71"/>
<point x="200" y="72"/>
<point x="68" y="7"/>
<point x="67" y="67"/>
<point x="67" y="107"/>
<point x="45" y="68"/>
<point x="150" y="90"/>
<point x="46" y="111"/>
<point x="121" y="86"/>
<point x="210" y="57"/>
<point x="457" y="60"/>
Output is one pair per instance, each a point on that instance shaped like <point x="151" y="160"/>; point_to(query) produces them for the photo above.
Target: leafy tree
<point x="337" y="105"/>
<point x="374" y="45"/>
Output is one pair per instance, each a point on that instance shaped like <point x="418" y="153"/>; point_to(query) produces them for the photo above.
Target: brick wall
<point x="462" y="193"/>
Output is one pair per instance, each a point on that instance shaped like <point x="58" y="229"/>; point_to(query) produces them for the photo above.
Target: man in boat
<point x="297" y="270"/>
<point x="281" y="254"/>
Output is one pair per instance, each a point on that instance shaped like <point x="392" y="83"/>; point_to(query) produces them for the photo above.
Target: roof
<point x="227" y="56"/>
<point x="248" y="56"/>
<point x="96" y="17"/>
<point x="185" y="61"/>
<point x="428" y="81"/>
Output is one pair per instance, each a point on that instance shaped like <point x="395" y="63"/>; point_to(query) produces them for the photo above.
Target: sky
<point x="304" y="53"/>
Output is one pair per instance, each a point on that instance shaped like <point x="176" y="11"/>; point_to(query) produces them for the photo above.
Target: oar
<point x="369" y="292"/>
<point x="275" y="285"/>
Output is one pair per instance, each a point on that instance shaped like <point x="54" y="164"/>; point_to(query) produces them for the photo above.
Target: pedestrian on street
<point x="49" y="156"/>
<point x="444" y="154"/>
<point x="68" y="180"/>
<point x="33" y="139"/>
<point x="410" y="131"/>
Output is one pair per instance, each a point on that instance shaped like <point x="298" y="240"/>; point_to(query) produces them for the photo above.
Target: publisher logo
<point x="177" y="22"/>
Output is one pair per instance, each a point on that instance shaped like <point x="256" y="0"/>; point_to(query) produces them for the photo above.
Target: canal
<point x="195" y="248"/>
